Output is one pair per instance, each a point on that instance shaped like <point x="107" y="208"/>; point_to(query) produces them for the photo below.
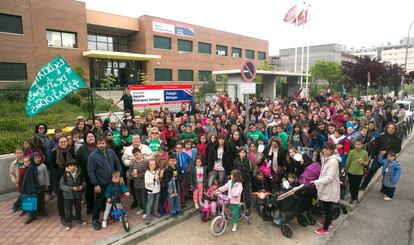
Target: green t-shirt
<point x="154" y="145"/>
<point x="352" y="162"/>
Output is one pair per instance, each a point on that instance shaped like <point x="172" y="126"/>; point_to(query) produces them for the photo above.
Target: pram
<point x="311" y="173"/>
<point x="295" y="203"/>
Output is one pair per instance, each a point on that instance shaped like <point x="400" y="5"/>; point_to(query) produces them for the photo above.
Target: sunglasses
<point x="41" y="127"/>
<point x="154" y="133"/>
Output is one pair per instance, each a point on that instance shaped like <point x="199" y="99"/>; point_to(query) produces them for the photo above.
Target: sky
<point x="353" y="23"/>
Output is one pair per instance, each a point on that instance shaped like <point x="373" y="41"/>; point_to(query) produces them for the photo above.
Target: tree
<point x="356" y="74"/>
<point x="326" y="70"/>
<point x="265" y="66"/>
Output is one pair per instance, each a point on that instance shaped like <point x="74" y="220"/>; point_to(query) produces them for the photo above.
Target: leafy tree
<point x="356" y="74"/>
<point x="326" y="70"/>
<point x="81" y="72"/>
<point x="265" y="66"/>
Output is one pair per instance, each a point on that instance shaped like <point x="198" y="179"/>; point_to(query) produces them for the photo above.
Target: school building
<point x="33" y="32"/>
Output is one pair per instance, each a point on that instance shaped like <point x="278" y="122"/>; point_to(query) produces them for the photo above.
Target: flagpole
<point x="307" y="50"/>
<point x="296" y="57"/>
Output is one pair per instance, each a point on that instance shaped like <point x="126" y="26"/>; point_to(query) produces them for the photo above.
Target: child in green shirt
<point x="355" y="162"/>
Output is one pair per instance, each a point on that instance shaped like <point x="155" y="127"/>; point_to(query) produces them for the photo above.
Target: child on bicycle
<point x="112" y="194"/>
<point x="234" y="188"/>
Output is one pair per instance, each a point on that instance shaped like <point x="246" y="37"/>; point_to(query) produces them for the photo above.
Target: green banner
<point x="54" y="81"/>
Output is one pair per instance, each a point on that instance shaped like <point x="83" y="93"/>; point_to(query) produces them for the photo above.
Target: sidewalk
<point x="49" y="230"/>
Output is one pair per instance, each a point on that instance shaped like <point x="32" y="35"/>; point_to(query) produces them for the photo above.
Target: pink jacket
<point x="234" y="193"/>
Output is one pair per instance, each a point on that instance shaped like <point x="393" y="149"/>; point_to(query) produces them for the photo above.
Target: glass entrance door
<point x="125" y="72"/>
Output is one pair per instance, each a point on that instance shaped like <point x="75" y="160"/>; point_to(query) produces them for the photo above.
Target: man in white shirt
<point x="136" y="143"/>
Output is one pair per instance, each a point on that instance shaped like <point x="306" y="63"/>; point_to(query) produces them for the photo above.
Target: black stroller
<point x="296" y="203"/>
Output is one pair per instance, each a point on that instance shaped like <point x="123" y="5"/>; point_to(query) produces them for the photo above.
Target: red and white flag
<point x="302" y="17"/>
<point x="290" y="16"/>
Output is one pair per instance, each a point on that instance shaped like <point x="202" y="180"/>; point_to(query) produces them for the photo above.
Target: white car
<point x="408" y="106"/>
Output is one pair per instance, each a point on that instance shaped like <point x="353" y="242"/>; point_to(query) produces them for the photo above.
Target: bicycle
<point x="119" y="213"/>
<point x="219" y="223"/>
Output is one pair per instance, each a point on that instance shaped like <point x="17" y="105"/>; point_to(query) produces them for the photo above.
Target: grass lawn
<point x="16" y="126"/>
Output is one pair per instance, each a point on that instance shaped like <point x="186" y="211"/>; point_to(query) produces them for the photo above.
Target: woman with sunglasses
<point x="154" y="140"/>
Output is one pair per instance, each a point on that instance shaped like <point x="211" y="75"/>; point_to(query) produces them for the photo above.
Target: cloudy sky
<point x="354" y="23"/>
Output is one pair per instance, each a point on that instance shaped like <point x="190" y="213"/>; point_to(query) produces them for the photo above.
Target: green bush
<point x="102" y="105"/>
<point x="84" y="92"/>
<point x="74" y="99"/>
<point x="84" y="105"/>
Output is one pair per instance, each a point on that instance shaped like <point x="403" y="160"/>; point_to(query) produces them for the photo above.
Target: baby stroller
<point x="207" y="210"/>
<point x="287" y="206"/>
<point x="311" y="173"/>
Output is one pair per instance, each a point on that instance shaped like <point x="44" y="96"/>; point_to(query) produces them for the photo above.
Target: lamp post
<point x="406" y="55"/>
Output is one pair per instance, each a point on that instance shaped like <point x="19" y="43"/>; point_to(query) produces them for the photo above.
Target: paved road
<point x="194" y="231"/>
<point x="379" y="222"/>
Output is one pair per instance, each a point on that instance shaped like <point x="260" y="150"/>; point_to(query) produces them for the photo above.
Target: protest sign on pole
<point x="54" y="81"/>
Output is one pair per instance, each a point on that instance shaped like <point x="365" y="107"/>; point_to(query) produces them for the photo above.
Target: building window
<point x="185" y="45"/>
<point x="261" y="55"/>
<point x="204" y="75"/>
<point x="162" y="42"/>
<point x="12" y="71"/>
<point x="107" y="42"/>
<point x="11" y="23"/>
<point x="249" y="54"/>
<point x="61" y="39"/>
<point x="204" y="48"/>
<point x="236" y="52"/>
<point x="163" y="75"/>
<point x="185" y="75"/>
<point x="221" y="50"/>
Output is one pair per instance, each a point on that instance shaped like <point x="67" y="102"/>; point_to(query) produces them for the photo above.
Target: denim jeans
<point x="152" y="202"/>
<point x="141" y="196"/>
<point x="174" y="203"/>
<point x="69" y="204"/>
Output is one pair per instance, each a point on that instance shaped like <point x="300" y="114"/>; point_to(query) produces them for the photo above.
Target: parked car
<point x="408" y="106"/>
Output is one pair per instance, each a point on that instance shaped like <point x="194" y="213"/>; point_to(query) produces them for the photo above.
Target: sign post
<point x="248" y="74"/>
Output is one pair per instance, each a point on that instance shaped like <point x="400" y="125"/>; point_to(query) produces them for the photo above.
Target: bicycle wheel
<point x="125" y="222"/>
<point x="218" y="225"/>
<point x="242" y="210"/>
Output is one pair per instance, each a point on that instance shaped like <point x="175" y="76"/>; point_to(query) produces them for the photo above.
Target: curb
<point x="143" y="232"/>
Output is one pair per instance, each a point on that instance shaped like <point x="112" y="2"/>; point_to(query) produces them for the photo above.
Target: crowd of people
<point x="163" y="160"/>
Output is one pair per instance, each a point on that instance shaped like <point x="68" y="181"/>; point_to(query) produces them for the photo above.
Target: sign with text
<point x="247" y="88"/>
<point x="172" y="27"/>
<point x="54" y="81"/>
<point x="150" y="95"/>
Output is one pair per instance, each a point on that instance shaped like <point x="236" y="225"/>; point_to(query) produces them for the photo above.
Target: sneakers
<point x="144" y="216"/>
<point x="351" y="202"/>
<point x="147" y="220"/>
<point x="157" y="215"/>
<point x="196" y="206"/>
<point x="104" y="223"/>
<point x="201" y="204"/>
<point x="387" y="198"/>
<point x="81" y="221"/>
<point x="140" y="211"/>
<point x="234" y="229"/>
<point x="321" y="231"/>
<point x="322" y="223"/>
<point x="96" y="225"/>
<point x="68" y="226"/>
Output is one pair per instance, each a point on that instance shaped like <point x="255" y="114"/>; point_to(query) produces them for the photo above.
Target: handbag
<point x="29" y="203"/>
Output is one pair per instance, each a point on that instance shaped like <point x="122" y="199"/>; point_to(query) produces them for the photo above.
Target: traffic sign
<point x="247" y="88"/>
<point x="248" y="71"/>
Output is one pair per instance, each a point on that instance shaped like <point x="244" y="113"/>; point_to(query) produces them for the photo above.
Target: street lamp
<point x="406" y="55"/>
<point x="406" y="46"/>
